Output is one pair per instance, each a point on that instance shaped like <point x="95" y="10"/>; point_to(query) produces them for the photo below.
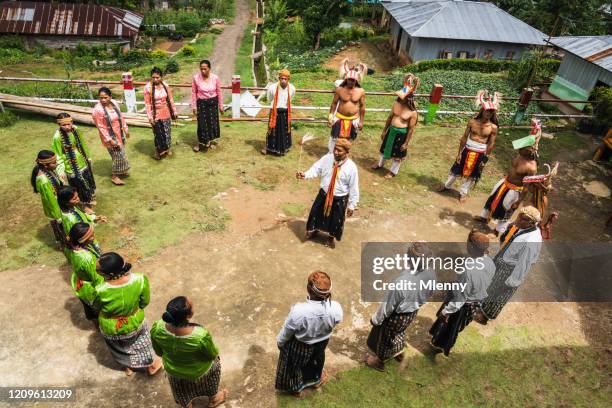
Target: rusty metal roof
<point x="29" y="17"/>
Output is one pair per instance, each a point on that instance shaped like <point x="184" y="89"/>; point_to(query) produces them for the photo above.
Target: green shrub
<point x="7" y="118"/>
<point x="158" y="54"/>
<point x="215" y="30"/>
<point x="276" y="13"/>
<point x="520" y="73"/>
<point x="603" y="109"/>
<point x="548" y="107"/>
<point x="460" y="64"/>
<point x="333" y="36"/>
<point x="10" y="56"/>
<point x="12" y="41"/>
<point x="171" y="67"/>
<point x="188" y="50"/>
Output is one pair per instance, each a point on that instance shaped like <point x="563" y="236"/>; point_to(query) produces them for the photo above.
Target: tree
<point x="319" y="15"/>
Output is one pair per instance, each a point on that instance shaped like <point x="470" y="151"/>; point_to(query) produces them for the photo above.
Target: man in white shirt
<point x="280" y="95"/>
<point x="304" y="336"/>
<point x="458" y="309"/>
<point x="395" y="313"/>
<point x="339" y="189"/>
<point x="519" y="251"/>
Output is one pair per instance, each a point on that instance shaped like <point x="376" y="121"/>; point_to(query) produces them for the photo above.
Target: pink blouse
<point x="99" y="118"/>
<point x="201" y="89"/>
<point x="161" y="105"/>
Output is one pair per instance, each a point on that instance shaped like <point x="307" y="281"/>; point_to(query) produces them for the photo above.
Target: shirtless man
<point x="475" y="146"/>
<point x="399" y="127"/>
<point x="347" y="109"/>
<point x="509" y="192"/>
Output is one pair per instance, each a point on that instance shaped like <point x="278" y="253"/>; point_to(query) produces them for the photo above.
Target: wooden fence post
<point x="523" y="103"/>
<point x="434" y="102"/>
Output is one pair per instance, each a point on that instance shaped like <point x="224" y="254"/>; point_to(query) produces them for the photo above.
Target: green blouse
<point x="74" y="216"/>
<point x="84" y="276"/>
<point x="188" y="356"/>
<point x="63" y="162"/>
<point x="48" y="197"/>
<point x="125" y="301"/>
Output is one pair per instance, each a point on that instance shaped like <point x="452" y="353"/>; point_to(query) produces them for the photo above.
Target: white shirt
<point x="347" y="180"/>
<point x="522" y="252"/>
<point x="478" y="280"/>
<point x="310" y="322"/>
<point x="282" y="94"/>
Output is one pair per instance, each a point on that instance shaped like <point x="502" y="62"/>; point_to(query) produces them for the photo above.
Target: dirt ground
<point x="368" y="53"/>
<point x="243" y="282"/>
<point x="226" y="47"/>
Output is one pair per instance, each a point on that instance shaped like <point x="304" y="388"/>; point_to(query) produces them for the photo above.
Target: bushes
<point x="7" y="118"/>
<point x="520" y="73"/>
<point x="12" y="41"/>
<point x="188" y="50"/>
<point x="334" y="35"/>
<point x="603" y="110"/>
<point x="10" y="56"/>
<point x="460" y="64"/>
<point x="171" y="67"/>
<point x="158" y="54"/>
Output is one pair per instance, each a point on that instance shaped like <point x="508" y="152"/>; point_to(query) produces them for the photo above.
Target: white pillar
<point x="236" y="96"/>
<point x="129" y="93"/>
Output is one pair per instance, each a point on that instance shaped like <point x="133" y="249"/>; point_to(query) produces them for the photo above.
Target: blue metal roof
<point x="586" y="47"/>
<point x="462" y="20"/>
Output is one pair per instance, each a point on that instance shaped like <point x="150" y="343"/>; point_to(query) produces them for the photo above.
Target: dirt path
<point x="226" y="46"/>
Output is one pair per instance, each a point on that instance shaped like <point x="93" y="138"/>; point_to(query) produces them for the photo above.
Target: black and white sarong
<point x="444" y="334"/>
<point x="208" y="120"/>
<point x="133" y="350"/>
<point x="387" y="339"/>
<point x="207" y="385"/>
<point x="162" y="132"/>
<point x="334" y="223"/>
<point x="84" y="184"/>
<point x="121" y="166"/>
<point x="498" y="292"/>
<point x="300" y="365"/>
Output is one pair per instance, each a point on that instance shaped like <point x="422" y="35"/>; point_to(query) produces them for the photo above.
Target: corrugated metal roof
<point x="595" y="49"/>
<point x="28" y="17"/>
<point x="462" y="20"/>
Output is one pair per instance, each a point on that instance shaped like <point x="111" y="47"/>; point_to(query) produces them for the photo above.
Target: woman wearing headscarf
<point x="83" y="252"/>
<point x="190" y="357"/>
<point x="160" y="111"/>
<point x="74" y="158"/>
<point x="121" y="300"/>
<point x="304" y="336"/>
<point x="206" y="104"/>
<point x="113" y="132"/>
<point x="46" y="182"/>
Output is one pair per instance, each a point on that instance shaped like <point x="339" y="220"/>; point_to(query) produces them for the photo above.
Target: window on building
<point x="510" y="55"/>
<point x="488" y="54"/>
<point x="462" y="54"/>
<point x="446" y="54"/>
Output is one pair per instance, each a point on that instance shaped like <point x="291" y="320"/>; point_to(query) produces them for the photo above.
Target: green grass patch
<point x="293" y="209"/>
<point x="243" y="57"/>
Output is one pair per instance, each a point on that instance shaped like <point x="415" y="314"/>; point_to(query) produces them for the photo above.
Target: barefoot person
<point x="206" y="104"/>
<point x="280" y="94"/>
<point x="83" y="253"/>
<point x="160" y="112"/>
<point x="46" y="182"/>
<point x="113" y="132"/>
<point x="74" y="158"/>
<point x="458" y="309"/>
<point x="519" y="251"/>
<point x="396" y="312"/>
<point x="399" y="127"/>
<point x="339" y="188"/>
<point x="120" y="301"/>
<point x="68" y="200"/>
<point x="508" y="193"/>
<point x="190" y="357"/>
<point x="304" y="336"/>
<point x="475" y="146"/>
<point x="347" y="109"/>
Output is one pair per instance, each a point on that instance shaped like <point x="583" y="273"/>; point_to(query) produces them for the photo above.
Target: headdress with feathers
<point x="356" y="72"/>
<point x="484" y="101"/>
<point x="411" y="83"/>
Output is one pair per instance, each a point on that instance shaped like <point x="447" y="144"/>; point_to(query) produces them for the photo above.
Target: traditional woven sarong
<point x="499" y="292"/>
<point x="300" y="365"/>
<point x="332" y="224"/>
<point x="344" y="127"/>
<point x="120" y="166"/>
<point x="387" y="339"/>
<point x="208" y="120"/>
<point x="473" y="158"/>
<point x="278" y="139"/>
<point x="133" y="350"/>
<point x="391" y="146"/>
<point x="504" y="195"/>
<point x="85" y="185"/>
<point x="162" y="132"/>
<point x="207" y="385"/>
<point x="444" y="334"/>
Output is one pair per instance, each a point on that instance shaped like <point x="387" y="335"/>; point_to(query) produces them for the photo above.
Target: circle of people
<point x="114" y="297"/>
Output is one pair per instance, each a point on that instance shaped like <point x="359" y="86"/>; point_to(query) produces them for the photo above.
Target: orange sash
<point x="274" y="112"/>
<point x="329" y="198"/>
<point x="470" y="161"/>
<point x="506" y="185"/>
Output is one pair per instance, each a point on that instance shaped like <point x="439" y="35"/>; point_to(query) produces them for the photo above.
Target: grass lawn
<point x="515" y="367"/>
<point x="165" y="201"/>
<point x="243" y="58"/>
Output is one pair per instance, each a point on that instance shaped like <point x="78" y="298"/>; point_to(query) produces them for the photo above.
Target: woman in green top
<point x="83" y="253"/>
<point x="46" y="182"/>
<point x="73" y="156"/>
<point x="190" y="357"/>
<point x="120" y="300"/>
<point x="68" y="200"/>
